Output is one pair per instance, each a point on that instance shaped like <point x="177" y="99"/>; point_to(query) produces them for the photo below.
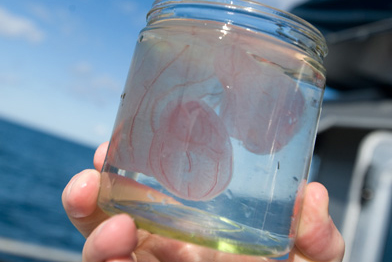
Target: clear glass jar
<point x="215" y="132"/>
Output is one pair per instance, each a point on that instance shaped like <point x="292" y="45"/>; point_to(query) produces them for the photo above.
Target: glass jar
<point x="216" y="127"/>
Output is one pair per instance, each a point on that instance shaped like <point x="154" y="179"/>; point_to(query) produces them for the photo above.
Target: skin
<point x="116" y="239"/>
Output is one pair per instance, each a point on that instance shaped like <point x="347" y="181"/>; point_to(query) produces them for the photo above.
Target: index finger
<point x="100" y="155"/>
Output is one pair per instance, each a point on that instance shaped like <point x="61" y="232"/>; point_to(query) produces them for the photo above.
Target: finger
<point x="154" y="248"/>
<point x="318" y="238"/>
<point x="80" y="201"/>
<point x="99" y="156"/>
<point x="114" y="240"/>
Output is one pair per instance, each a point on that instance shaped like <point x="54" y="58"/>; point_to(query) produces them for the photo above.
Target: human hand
<point x="116" y="238"/>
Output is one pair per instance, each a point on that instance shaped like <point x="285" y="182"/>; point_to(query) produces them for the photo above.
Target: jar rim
<point x="292" y="27"/>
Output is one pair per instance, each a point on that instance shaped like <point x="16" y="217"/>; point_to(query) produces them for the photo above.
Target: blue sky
<point x="63" y="64"/>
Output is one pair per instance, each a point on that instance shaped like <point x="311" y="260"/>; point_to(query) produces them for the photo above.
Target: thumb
<point x="318" y="238"/>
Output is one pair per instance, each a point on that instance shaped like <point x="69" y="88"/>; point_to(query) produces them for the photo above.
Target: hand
<point x="117" y="239"/>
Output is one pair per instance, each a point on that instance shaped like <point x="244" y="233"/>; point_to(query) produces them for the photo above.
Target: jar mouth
<point x="248" y="14"/>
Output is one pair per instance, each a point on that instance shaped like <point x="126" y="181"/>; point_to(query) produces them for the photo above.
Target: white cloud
<point x="105" y="82"/>
<point x="41" y="12"/>
<point x="8" y="79"/>
<point x="85" y="74"/>
<point x="82" y="68"/>
<point x="101" y="130"/>
<point x="98" y="88"/>
<point x="13" y="26"/>
<point x="127" y="7"/>
<point x="61" y="17"/>
<point x="134" y="10"/>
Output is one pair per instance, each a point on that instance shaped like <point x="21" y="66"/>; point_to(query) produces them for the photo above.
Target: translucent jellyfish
<point x="169" y="129"/>
<point x="261" y="105"/>
<point x="191" y="153"/>
<point x="161" y="71"/>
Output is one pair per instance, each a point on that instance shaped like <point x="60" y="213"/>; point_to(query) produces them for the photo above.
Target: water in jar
<point x="214" y="137"/>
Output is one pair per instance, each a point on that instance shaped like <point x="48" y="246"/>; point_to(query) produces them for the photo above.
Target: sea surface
<point x="34" y="169"/>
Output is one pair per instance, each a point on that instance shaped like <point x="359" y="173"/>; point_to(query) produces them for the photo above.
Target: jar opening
<point x="248" y="14"/>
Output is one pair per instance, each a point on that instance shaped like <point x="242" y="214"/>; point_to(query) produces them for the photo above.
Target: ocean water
<point x="34" y="169"/>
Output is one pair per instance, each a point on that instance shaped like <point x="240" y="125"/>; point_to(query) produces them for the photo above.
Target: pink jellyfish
<point x="191" y="153"/>
<point x="261" y="106"/>
<point x="161" y="71"/>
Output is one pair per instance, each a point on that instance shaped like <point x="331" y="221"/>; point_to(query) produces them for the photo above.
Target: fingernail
<point x="133" y="257"/>
<point x="75" y="182"/>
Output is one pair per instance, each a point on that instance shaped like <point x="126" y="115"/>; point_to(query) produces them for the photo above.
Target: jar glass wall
<point x="215" y="132"/>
